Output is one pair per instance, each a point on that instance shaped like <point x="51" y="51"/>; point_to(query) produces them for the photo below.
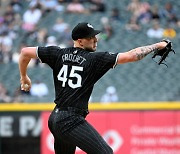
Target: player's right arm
<point x="24" y="59"/>
<point x="139" y="53"/>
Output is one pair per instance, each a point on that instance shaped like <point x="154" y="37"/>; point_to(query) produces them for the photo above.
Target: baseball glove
<point x="163" y="53"/>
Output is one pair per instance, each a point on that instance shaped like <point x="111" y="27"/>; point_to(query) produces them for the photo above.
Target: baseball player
<point x="75" y="70"/>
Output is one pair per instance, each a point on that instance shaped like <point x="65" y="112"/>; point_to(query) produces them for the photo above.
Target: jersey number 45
<point x="73" y="75"/>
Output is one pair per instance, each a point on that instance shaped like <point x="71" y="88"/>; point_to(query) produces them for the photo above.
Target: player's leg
<point x="88" y="139"/>
<point x="61" y="147"/>
<point x="75" y="130"/>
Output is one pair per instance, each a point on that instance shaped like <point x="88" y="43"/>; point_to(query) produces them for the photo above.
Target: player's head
<point x="84" y="36"/>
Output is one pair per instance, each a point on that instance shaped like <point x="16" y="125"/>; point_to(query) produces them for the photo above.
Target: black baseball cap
<point x="83" y="30"/>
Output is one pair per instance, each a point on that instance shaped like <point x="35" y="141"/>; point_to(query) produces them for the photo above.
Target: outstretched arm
<point x="24" y="59"/>
<point x="139" y="53"/>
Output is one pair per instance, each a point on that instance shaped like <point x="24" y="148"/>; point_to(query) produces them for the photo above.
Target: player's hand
<point x="164" y="51"/>
<point x="162" y="44"/>
<point x="25" y="83"/>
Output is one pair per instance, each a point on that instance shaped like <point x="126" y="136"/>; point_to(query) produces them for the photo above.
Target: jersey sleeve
<point x="106" y="60"/>
<point x="48" y="55"/>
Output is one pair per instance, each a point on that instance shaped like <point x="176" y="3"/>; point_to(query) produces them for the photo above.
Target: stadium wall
<point x="130" y="128"/>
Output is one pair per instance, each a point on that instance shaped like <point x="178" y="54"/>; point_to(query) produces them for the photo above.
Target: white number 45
<point x="63" y="76"/>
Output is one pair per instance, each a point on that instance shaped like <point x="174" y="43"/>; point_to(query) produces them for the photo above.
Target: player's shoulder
<point x="60" y="50"/>
<point x="69" y="50"/>
<point x="53" y="47"/>
<point x="103" y="53"/>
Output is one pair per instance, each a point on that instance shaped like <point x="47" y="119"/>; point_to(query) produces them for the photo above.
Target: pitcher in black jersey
<point x="75" y="71"/>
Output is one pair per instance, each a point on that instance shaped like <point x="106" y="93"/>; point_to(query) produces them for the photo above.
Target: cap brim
<point x="94" y="33"/>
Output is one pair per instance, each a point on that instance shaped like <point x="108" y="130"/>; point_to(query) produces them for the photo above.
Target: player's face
<point x="90" y="43"/>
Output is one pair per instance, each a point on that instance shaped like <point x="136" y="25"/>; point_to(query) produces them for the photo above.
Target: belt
<point x="73" y="109"/>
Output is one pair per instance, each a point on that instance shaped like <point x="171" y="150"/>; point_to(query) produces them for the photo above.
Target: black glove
<point x="163" y="53"/>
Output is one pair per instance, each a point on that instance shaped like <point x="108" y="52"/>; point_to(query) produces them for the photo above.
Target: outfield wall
<point x="131" y="128"/>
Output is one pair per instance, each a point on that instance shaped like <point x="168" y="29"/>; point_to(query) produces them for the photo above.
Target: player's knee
<point x="107" y="150"/>
<point x="103" y="150"/>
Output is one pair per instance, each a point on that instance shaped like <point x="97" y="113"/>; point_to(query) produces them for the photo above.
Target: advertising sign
<point x="20" y="124"/>
<point x="129" y="132"/>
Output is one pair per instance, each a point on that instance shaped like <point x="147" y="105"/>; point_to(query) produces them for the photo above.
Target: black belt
<point x="73" y="109"/>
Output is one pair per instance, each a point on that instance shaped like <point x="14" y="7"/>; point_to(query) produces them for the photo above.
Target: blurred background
<point x="125" y="24"/>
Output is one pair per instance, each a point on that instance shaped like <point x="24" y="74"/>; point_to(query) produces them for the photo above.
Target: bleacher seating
<point x="140" y="81"/>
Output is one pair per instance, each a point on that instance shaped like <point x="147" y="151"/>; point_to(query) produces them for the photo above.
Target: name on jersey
<point x="73" y="58"/>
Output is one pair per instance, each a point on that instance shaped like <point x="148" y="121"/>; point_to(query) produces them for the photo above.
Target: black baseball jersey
<point x="75" y="72"/>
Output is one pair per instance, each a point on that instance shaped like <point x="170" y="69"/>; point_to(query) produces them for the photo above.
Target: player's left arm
<point x="25" y="56"/>
<point x="139" y="53"/>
